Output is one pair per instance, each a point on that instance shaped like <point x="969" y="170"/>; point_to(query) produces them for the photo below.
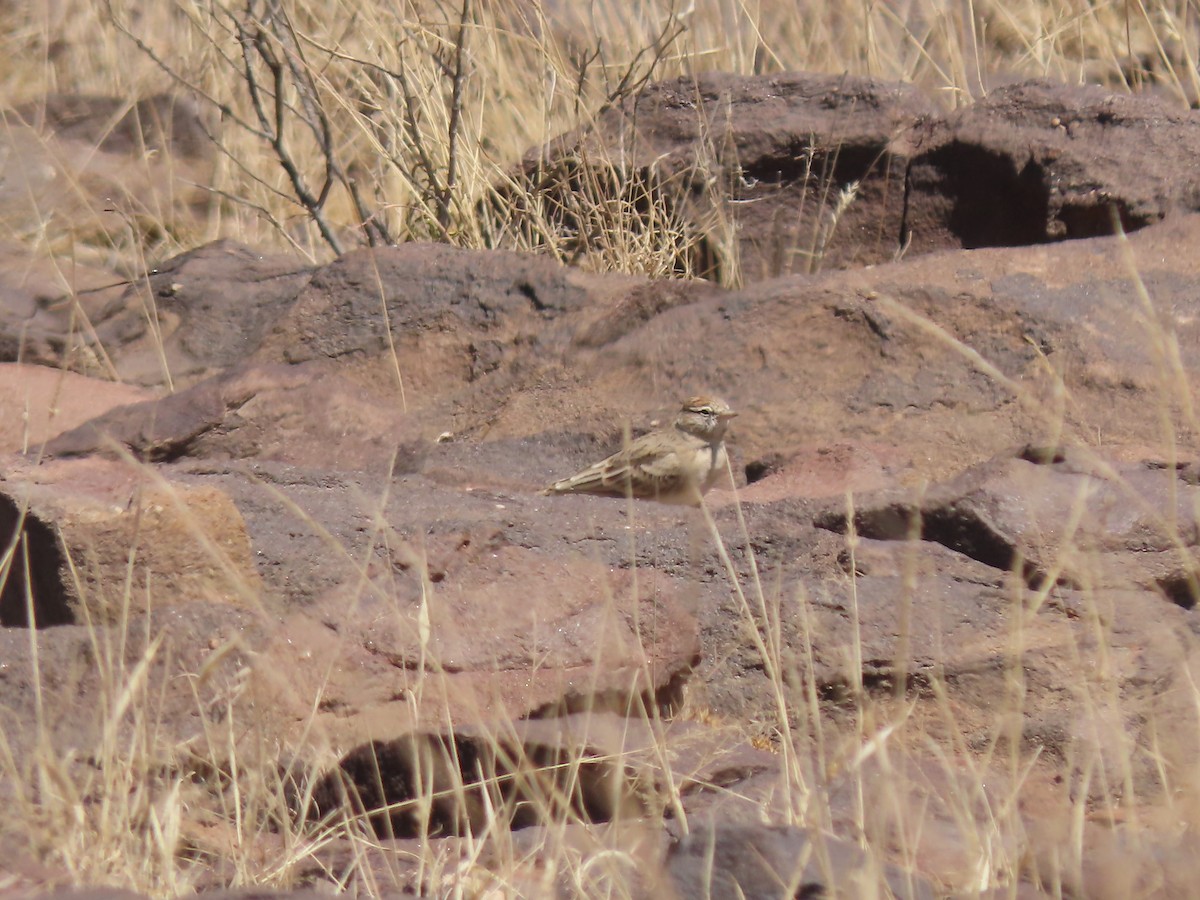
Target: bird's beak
<point x="728" y="415"/>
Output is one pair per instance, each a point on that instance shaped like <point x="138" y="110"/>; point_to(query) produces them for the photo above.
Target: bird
<point x="673" y="465"/>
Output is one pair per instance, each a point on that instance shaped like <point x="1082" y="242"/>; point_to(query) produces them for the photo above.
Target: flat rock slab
<point x="39" y="402"/>
<point x="199" y="313"/>
<point x="506" y="634"/>
<point x="95" y="538"/>
<point x="1068" y="516"/>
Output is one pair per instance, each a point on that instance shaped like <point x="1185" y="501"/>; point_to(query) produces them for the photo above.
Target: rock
<point x="591" y="768"/>
<point x="1050" y="162"/>
<point x="199" y="313"/>
<point x="46" y="308"/>
<point x="61" y="701"/>
<point x="38" y="403"/>
<point x="499" y="634"/>
<point x="451" y="319"/>
<point x="860" y="349"/>
<point x="103" y="537"/>
<point x="808" y="170"/>
<point x="98" y="165"/>
<point x="823" y="471"/>
<point x="816" y="172"/>
<point x="432" y="297"/>
<point x="535" y="773"/>
<point x="1003" y="636"/>
<point x="301" y="415"/>
<point x="757" y="862"/>
<point x="1067" y="515"/>
<point x="978" y="616"/>
<point x="333" y="350"/>
<point x="161" y="122"/>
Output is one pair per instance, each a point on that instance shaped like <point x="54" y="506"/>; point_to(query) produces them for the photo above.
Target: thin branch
<point x="628" y="84"/>
<point x="259" y="42"/>
<point x="224" y="109"/>
<point x="456" y="92"/>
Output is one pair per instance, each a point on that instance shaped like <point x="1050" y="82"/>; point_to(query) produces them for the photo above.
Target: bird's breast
<point x="715" y="461"/>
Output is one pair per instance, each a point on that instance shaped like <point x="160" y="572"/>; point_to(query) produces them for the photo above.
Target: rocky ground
<point x="947" y="615"/>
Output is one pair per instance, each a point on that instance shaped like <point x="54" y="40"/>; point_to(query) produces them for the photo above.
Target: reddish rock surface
<point x="99" y="536"/>
<point x="190" y="318"/>
<point x="818" y="172"/>
<point x="47" y="307"/>
<point x="40" y="402"/>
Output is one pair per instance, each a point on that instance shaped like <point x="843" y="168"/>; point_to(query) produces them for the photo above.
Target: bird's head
<point x="705" y="417"/>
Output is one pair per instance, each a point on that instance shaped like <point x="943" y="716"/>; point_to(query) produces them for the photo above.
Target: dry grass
<point x="399" y="121"/>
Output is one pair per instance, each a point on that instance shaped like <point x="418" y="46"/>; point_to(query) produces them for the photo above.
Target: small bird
<point x="673" y="465"/>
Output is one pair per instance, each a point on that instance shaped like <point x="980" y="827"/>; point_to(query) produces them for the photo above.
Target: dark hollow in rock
<point x="665" y="700"/>
<point x="428" y="784"/>
<point x="976" y="179"/>
<point x="966" y="533"/>
<point x="1181" y="588"/>
<point x="758" y="469"/>
<point x="33" y="579"/>
<point x="1042" y="456"/>
<point x="957" y="529"/>
<point x="1016" y="201"/>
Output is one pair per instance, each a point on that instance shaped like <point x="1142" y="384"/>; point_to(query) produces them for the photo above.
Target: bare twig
<point x="227" y="112"/>
<point x="256" y="41"/>
<point x="454" y="128"/>
<point x="632" y="81"/>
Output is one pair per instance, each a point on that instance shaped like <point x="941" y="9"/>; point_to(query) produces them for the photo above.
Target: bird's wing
<point x="661" y="468"/>
<point x="648" y="464"/>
